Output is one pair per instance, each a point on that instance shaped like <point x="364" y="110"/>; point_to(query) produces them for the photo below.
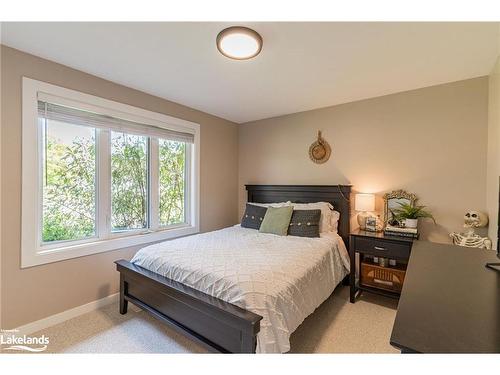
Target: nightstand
<point x="374" y="276"/>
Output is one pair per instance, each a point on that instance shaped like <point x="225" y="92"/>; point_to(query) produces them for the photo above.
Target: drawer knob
<point x="379" y="248"/>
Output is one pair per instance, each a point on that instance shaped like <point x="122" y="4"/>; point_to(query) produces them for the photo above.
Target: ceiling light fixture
<point x="239" y="43"/>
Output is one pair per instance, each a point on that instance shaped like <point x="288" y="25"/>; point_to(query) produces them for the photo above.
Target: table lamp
<point x="364" y="203"/>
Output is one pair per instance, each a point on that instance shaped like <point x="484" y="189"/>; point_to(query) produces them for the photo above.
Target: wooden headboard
<point x="337" y="195"/>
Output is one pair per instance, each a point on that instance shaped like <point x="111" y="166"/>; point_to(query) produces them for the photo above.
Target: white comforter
<point x="283" y="279"/>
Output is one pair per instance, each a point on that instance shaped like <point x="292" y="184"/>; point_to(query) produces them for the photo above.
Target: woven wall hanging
<point x="320" y="151"/>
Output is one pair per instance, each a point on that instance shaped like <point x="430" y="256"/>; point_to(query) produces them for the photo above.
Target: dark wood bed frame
<point x="218" y="325"/>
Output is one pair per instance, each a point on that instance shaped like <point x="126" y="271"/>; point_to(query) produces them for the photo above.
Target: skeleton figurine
<point x="472" y="219"/>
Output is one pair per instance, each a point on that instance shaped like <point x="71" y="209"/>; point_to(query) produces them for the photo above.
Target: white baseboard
<point x="66" y="315"/>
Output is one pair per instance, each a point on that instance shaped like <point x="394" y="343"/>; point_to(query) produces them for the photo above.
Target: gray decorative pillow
<point x="253" y="216"/>
<point x="305" y="223"/>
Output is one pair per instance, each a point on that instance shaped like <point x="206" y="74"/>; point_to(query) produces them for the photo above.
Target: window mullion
<point x="104" y="184"/>
<point x="154" y="186"/>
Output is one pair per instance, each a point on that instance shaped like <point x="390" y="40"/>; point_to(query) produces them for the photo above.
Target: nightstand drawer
<point x="379" y="247"/>
<point x="387" y="278"/>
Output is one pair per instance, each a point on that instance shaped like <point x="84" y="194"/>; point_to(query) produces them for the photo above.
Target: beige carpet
<point x="337" y="326"/>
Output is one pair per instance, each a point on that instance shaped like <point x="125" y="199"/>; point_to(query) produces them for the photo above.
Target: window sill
<point x="43" y="256"/>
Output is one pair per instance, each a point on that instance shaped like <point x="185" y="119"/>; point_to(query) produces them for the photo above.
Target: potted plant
<point x="410" y="214"/>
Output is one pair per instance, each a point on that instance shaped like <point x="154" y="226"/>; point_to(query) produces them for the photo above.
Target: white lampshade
<point x="364" y="202"/>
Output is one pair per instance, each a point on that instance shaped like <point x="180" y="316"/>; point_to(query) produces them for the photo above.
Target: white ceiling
<point x="302" y="65"/>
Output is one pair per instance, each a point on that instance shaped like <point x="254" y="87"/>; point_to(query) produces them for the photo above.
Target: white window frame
<point x="33" y="252"/>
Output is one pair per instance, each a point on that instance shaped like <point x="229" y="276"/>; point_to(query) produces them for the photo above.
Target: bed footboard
<point x="218" y="325"/>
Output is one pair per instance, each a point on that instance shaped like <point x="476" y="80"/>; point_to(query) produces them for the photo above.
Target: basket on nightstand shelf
<point x="388" y="278"/>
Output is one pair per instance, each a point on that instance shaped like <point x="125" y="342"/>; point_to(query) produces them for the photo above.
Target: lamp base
<point x="362" y="219"/>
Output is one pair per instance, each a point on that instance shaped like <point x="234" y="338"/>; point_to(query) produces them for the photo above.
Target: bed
<point x="238" y="290"/>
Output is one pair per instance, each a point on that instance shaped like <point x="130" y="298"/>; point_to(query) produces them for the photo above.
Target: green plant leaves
<point x="407" y="211"/>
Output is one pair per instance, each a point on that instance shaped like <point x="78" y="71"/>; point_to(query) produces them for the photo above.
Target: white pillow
<point x="280" y="204"/>
<point x="335" y="221"/>
<point x="325" y="222"/>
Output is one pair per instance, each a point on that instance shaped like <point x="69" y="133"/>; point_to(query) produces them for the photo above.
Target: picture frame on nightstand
<point x="371" y="224"/>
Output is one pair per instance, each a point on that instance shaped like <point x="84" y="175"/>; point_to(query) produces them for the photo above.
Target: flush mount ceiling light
<point x="239" y="43"/>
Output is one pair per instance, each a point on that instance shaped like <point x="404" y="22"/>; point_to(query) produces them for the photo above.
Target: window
<point x="69" y="181"/>
<point x="172" y="182"/>
<point x="129" y="181"/>
<point x="108" y="175"/>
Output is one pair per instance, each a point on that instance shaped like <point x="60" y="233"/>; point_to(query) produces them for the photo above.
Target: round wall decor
<point x="320" y="150"/>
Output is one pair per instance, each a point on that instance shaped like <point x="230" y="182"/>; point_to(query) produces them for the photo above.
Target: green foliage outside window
<point x="129" y="181"/>
<point x="69" y="188"/>
<point x="172" y="179"/>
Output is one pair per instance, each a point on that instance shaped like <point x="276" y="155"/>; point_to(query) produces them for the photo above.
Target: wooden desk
<point x="450" y="302"/>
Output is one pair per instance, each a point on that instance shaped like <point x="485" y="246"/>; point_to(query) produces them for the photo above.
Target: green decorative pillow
<point x="277" y="220"/>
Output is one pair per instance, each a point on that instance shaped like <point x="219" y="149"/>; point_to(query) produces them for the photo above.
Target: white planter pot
<point x="411" y="223"/>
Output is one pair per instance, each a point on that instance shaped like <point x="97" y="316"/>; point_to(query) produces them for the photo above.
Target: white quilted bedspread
<point x="283" y="279"/>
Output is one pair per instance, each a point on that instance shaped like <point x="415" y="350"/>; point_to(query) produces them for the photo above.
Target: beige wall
<point x="38" y="292"/>
<point x="1" y="279"/>
<point x="430" y="141"/>
<point x="493" y="168"/>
